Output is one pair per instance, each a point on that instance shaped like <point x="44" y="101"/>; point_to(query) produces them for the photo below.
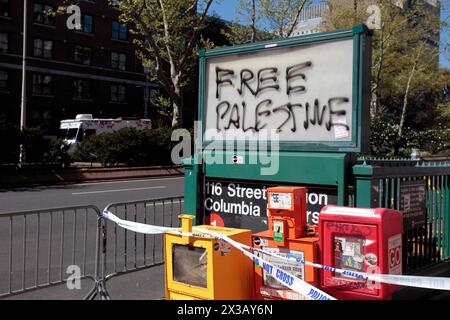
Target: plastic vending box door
<point x="359" y="239"/>
<point x="347" y="246"/>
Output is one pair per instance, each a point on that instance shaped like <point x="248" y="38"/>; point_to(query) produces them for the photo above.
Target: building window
<point x="44" y="14"/>
<point x="3" y="80"/>
<point x="42" y="84"/>
<point x="119" y="31"/>
<point x="118" y="61"/>
<point x="87" y="23"/>
<point x="83" y="55"/>
<point x="43" y="48"/>
<point x="4" y="8"/>
<point x="82" y="89"/>
<point x="118" y="93"/>
<point x="3" y="42"/>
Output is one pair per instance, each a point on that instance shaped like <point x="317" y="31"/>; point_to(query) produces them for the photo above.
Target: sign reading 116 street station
<point x="307" y="91"/>
<point x="244" y="204"/>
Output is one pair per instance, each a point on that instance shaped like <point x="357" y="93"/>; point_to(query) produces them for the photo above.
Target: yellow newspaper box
<point x="200" y="268"/>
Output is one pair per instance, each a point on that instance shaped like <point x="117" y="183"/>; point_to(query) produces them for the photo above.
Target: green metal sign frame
<point x="316" y="164"/>
<point x="361" y="85"/>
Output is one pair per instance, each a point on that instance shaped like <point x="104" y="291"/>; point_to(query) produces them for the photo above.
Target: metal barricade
<point x="124" y="251"/>
<point x="39" y="245"/>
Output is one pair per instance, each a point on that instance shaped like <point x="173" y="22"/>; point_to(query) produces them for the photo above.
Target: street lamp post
<point x="24" y="80"/>
<point x="146" y="93"/>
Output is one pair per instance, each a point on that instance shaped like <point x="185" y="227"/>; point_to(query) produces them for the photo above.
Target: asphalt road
<point x="54" y="241"/>
<point x="98" y="194"/>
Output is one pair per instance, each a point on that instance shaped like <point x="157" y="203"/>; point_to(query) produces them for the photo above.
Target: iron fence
<point x="385" y="183"/>
<point x="39" y="245"/>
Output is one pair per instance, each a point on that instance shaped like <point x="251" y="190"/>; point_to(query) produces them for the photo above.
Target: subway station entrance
<point x="295" y="112"/>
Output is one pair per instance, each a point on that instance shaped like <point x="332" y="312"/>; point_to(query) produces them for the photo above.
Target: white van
<point x="84" y="125"/>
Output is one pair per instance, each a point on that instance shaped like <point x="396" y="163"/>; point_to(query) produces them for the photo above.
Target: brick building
<point x="92" y="70"/>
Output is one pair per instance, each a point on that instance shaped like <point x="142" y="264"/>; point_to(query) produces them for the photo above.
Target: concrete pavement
<point x="146" y="284"/>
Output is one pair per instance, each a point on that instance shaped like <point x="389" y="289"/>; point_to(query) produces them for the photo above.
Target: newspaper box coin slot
<point x="286" y="237"/>
<point x="361" y="240"/>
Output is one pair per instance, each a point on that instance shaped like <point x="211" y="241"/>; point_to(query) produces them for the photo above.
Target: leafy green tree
<point x="244" y="29"/>
<point x="407" y="82"/>
<point x="128" y="146"/>
<point x="167" y="39"/>
<point x="281" y="16"/>
<point x="10" y="142"/>
<point x="265" y="19"/>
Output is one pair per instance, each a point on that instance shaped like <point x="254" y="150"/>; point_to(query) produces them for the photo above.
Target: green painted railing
<point x="378" y="184"/>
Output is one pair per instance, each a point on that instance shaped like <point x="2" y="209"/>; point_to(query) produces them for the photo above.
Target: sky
<point x="227" y="11"/>
<point x="445" y="36"/>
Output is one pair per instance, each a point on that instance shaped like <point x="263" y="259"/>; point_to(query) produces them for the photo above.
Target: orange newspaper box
<point x="286" y="237"/>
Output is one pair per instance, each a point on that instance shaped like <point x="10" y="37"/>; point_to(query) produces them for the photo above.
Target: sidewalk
<point x="409" y="293"/>
<point x="146" y="284"/>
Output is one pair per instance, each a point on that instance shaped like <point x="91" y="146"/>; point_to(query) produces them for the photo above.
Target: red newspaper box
<point x="362" y="240"/>
<point x="286" y="236"/>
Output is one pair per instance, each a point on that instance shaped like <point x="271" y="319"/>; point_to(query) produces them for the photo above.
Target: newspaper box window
<point x="293" y="268"/>
<point x="349" y="253"/>
<point x="189" y="265"/>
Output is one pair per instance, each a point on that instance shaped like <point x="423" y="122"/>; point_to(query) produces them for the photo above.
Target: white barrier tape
<point x="437" y="283"/>
<point x="282" y="276"/>
<point x="135" y="226"/>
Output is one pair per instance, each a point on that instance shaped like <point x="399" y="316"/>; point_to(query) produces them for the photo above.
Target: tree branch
<point x="253" y="36"/>
<point x="408" y="86"/>
<point x="297" y="16"/>
<point x="155" y="50"/>
<point x="173" y="68"/>
<point x="192" y="40"/>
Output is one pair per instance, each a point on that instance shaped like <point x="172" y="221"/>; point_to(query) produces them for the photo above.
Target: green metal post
<point x="363" y="181"/>
<point x="342" y="181"/>
<point x="446" y="200"/>
<point x="192" y="185"/>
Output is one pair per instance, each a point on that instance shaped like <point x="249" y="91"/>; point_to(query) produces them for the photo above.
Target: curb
<point x="33" y="177"/>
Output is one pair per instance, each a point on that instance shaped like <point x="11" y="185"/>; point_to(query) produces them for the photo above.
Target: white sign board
<point x="279" y="200"/>
<point x="303" y="92"/>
